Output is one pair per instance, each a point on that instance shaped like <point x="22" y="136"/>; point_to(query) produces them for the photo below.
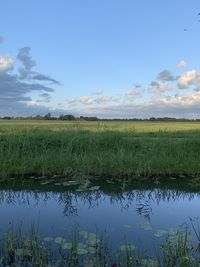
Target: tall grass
<point x="76" y="152"/>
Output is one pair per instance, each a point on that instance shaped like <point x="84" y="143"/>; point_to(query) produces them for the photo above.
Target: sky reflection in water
<point x="135" y="215"/>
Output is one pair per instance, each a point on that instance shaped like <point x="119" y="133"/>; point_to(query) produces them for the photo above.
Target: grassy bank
<point x="87" y="249"/>
<point x="99" y="149"/>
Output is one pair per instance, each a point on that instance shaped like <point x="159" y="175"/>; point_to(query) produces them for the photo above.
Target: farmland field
<point x="138" y="126"/>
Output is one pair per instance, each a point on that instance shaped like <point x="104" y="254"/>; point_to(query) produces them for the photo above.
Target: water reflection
<point x="141" y="200"/>
<point x="139" y="214"/>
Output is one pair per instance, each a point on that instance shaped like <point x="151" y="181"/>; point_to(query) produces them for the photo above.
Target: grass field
<point x="138" y="126"/>
<point x="90" y="149"/>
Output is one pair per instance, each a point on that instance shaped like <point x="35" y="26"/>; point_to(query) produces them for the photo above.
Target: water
<point x="141" y="216"/>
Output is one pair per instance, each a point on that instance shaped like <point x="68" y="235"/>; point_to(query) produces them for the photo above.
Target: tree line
<point x="70" y="117"/>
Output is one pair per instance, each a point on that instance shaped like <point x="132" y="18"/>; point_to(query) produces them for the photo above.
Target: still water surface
<point x="139" y="216"/>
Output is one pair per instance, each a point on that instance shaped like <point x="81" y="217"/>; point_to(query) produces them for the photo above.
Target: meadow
<point x="113" y="149"/>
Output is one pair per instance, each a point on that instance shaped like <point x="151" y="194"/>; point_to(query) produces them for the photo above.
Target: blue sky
<point x="108" y="58"/>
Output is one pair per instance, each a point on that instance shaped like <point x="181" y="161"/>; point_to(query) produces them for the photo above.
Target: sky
<point x="104" y="58"/>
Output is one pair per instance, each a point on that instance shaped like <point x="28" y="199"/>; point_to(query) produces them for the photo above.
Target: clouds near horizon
<point x="169" y="96"/>
<point x="6" y="63"/>
<point x="20" y="90"/>
<point x="189" y="78"/>
<point x="24" y="91"/>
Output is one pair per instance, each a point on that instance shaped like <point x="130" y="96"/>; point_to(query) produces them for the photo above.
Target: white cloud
<point x="86" y="100"/>
<point x="160" y="88"/>
<point x="135" y="93"/>
<point x="6" y="63"/>
<point x="188" y="99"/>
<point x="15" y="93"/>
<point x="32" y="103"/>
<point x="180" y="106"/>
<point x="182" y="64"/>
<point x="103" y="99"/>
<point x="189" y="78"/>
<point x="17" y="89"/>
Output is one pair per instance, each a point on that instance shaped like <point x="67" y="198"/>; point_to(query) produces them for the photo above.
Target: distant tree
<point x="152" y="119"/>
<point x="47" y="116"/>
<point x="38" y="117"/>
<point x="61" y="117"/>
<point x="89" y="118"/>
<point x="68" y="117"/>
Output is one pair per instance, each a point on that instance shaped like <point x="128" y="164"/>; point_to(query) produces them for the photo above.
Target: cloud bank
<point x="168" y="95"/>
<point x="23" y="92"/>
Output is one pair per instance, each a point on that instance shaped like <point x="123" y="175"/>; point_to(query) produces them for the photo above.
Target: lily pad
<point x="59" y="240"/>
<point x="72" y="182"/>
<point x="127" y="248"/>
<point x="58" y="184"/>
<point x="65" y="184"/>
<point x="109" y="182"/>
<point x="84" y="234"/>
<point x="82" y="251"/>
<point x="67" y="246"/>
<point x="81" y="245"/>
<point x="181" y="176"/>
<point x="91" y="250"/>
<point x="146" y="226"/>
<point x="46" y="182"/>
<point x="90" y="238"/>
<point x="160" y="233"/>
<point x="81" y="189"/>
<point x="173" y="230"/>
<point x="94" y="188"/>
<point x="92" y="241"/>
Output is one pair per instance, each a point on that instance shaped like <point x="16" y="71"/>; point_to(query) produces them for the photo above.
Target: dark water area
<point x="139" y="215"/>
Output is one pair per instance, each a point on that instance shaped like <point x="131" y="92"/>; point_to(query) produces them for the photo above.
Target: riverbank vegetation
<point x="87" y="249"/>
<point x="93" y="149"/>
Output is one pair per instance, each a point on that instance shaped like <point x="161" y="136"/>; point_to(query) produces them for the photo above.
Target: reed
<point x="84" y="153"/>
<point x="88" y="250"/>
<point x="104" y="150"/>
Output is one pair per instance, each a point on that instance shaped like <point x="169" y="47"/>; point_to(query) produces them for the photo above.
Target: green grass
<point x="91" y="149"/>
<point x="138" y="126"/>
